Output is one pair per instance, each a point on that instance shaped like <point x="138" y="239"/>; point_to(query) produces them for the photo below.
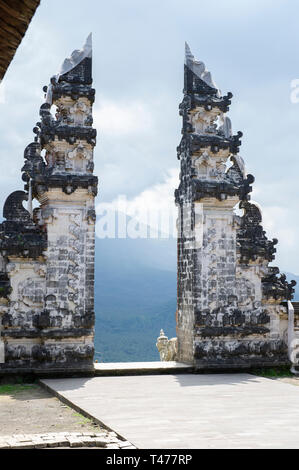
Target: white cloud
<point x="278" y="223"/>
<point x="122" y="118"/>
<point x="154" y="207"/>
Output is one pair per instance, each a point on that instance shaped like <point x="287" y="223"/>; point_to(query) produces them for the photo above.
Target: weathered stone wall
<point x="185" y="292"/>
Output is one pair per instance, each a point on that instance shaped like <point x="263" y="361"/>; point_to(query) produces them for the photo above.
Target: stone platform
<point x="189" y="410"/>
<point x="141" y="368"/>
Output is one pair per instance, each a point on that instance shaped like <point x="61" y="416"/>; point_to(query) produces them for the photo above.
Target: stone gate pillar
<point x="66" y="190"/>
<point x="47" y="254"/>
<point x="229" y="311"/>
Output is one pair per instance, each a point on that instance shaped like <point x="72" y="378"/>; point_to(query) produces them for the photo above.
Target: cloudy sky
<point x="250" y="46"/>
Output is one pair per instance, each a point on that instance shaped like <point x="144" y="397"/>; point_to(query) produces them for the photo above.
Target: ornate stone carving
<point x="19" y="235"/>
<point x="252" y="240"/>
<point x="277" y="288"/>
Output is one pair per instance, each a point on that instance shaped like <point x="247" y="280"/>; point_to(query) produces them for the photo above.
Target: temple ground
<point x="29" y="409"/>
<point x="189" y="410"/>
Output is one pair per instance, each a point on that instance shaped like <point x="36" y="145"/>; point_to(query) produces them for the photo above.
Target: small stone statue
<point x="167" y="347"/>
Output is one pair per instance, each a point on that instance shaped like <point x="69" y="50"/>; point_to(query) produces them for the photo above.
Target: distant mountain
<point x="135" y="296"/>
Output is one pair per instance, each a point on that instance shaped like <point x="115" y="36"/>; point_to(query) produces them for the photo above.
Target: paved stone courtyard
<point x="190" y="411"/>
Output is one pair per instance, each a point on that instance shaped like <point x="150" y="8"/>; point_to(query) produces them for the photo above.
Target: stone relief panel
<point x="80" y="159"/>
<point x="74" y="112"/>
<point x="204" y="122"/>
<point x="208" y="165"/>
<point x="31" y="292"/>
<point x="28" y="282"/>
